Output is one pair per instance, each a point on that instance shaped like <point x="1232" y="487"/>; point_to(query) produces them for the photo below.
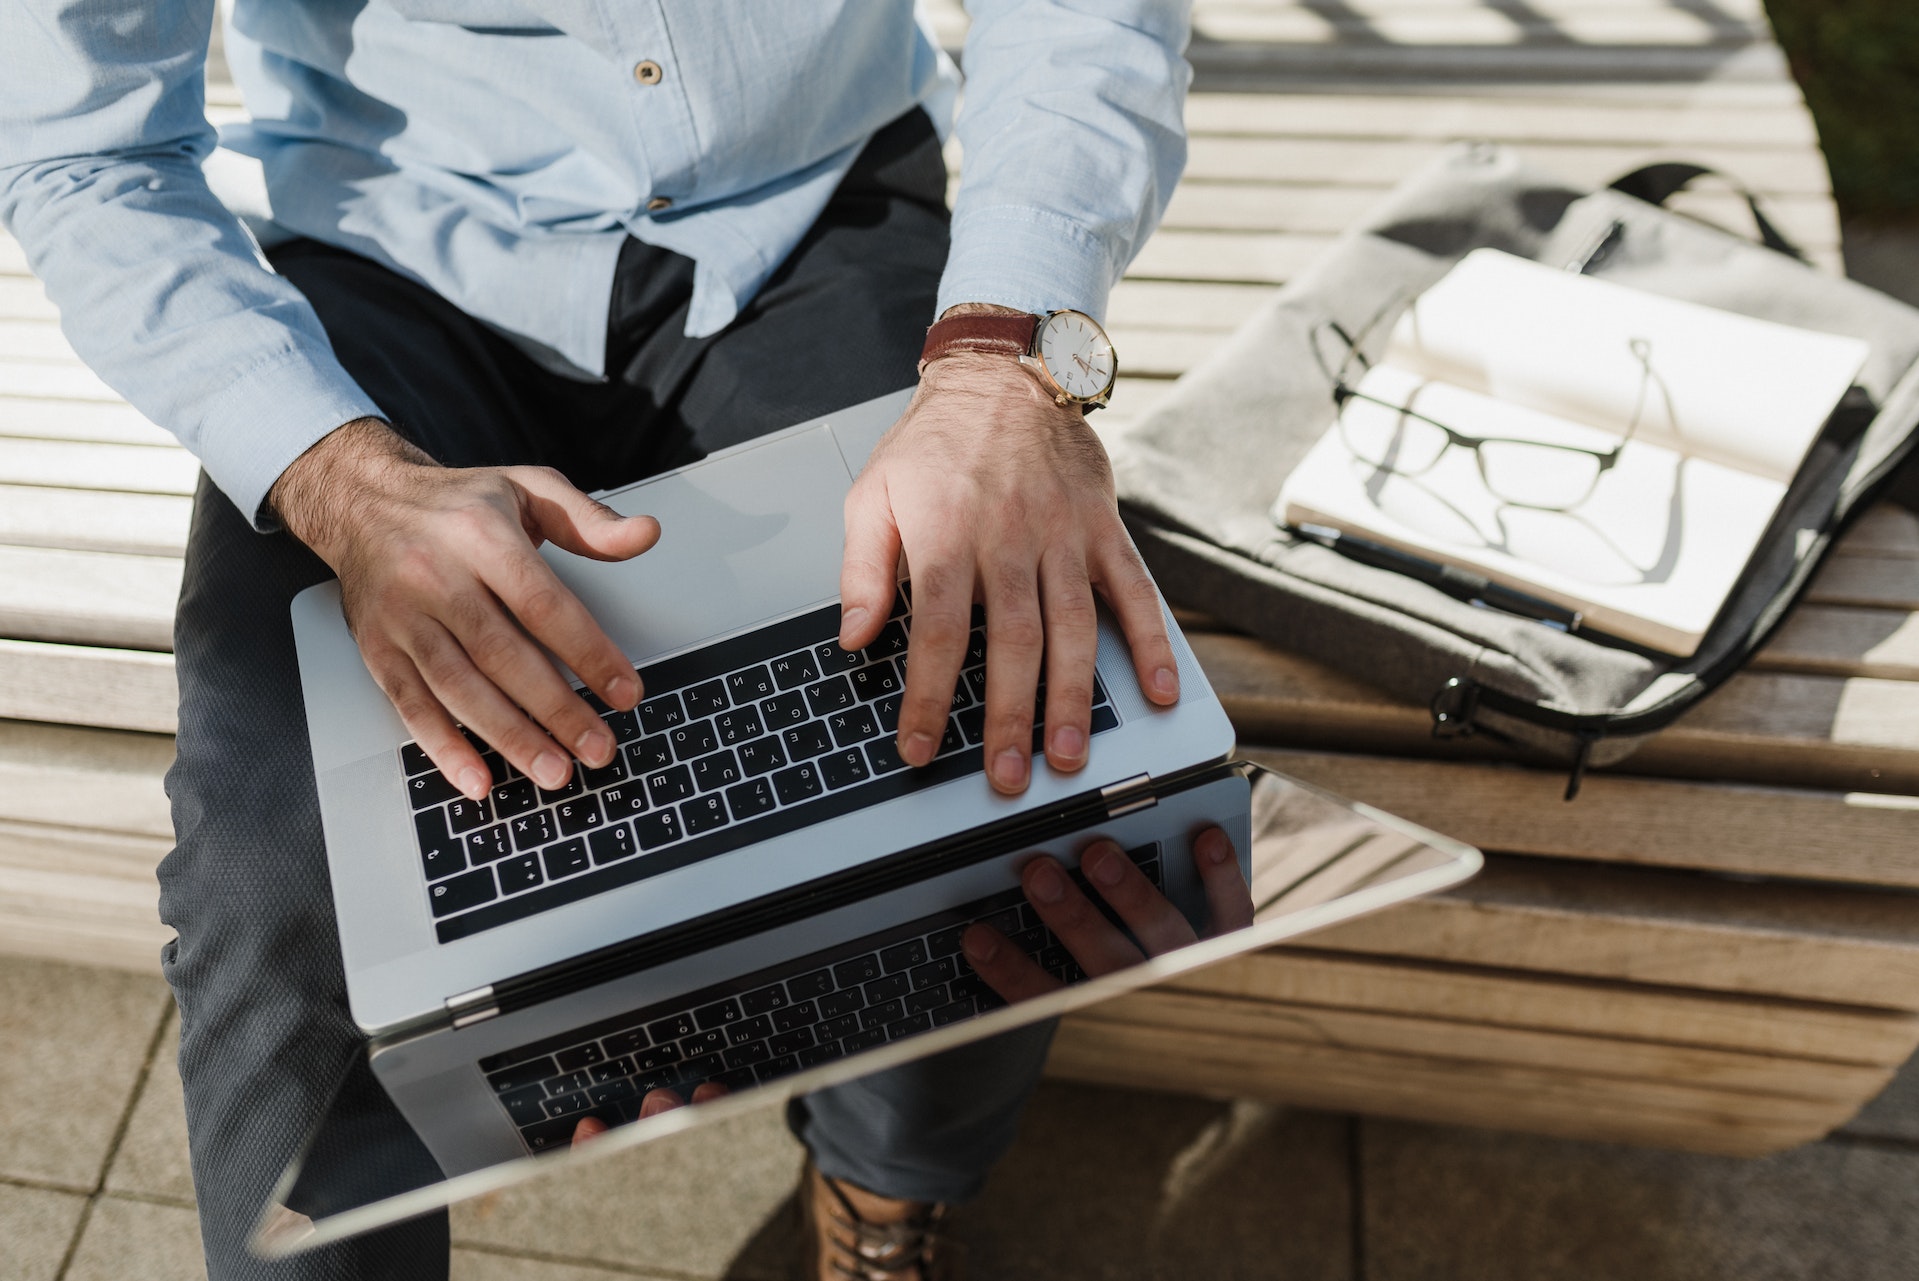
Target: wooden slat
<point x="105" y="780"/>
<point x="35" y="340"/>
<point x="92" y="520"/>
<point x="88" y="598"/>
<point x="1214" y="308"/>
<point x="1759" y="831"/>
<point x="1888" y="582"/>
<point x="79" y="685"/>
<point x="23" y="298"/>
<point x="1845" y="641"/>
<point x="77" y="420"/>
<point x="1883" y="530"/>
<point x="1260" y="257"/>
<point x="1807" y="942"/>
<point x="1510" y="998"/>
<point x="136" y="469"/>
<point x="1454" y="1091"/>
<point x="56" y="381"/>
<point x="78" y="895"/>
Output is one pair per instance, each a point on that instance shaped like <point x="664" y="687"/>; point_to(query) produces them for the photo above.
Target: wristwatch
<point x="1069" y="352"/>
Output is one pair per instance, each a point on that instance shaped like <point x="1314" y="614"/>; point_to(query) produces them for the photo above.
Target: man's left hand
<point x="998" y="495"/>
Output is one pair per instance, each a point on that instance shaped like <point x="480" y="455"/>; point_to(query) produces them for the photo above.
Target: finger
<point x="1155" y="922"/>
<point x="1122" y="579"/>
<point x="1015" y="645"/>
<point x="1082" y="929"/>
<point x="554" y="616"/>
<point x="477" y="702"/>
<point x="658" y="1101"/>
<point x="1072" y="648"/>
<point x="590" y="1127"/>
<point x="707" y="1091"/>
<point x="935" y="650"/>
<point x="869" y="572"/>
<point x="555" y="510"/>
<point x="509" y="658"/>
<point x="1229" y="900"/>
<point x="427" y="720"/>
<point x="1004" y="968"/>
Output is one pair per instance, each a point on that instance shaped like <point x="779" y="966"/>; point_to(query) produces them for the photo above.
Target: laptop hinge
<point x="1129" y="795"/>
<point x="469" y="1008"/>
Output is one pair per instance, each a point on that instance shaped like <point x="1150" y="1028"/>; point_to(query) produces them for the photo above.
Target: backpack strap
<point x="1657" y="183"/>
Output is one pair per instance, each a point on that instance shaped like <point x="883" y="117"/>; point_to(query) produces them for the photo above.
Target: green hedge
<point x="1858" y="63"/>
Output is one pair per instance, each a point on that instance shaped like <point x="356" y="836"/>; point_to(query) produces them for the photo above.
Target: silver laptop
<point x="757" y="893"/>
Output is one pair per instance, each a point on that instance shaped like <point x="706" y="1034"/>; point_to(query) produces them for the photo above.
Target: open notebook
<point x="1645" y="539"/>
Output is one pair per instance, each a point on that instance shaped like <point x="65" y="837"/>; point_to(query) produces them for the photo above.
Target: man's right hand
<point x="450" y="602"/>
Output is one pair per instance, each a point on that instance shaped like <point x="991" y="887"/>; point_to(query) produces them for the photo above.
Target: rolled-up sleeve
<point x="1072" y="136"/>
<point x="161" y="290"/>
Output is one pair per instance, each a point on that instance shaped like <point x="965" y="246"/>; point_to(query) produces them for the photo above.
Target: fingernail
<point x="1009" y="769"/>
<point x="1166" y="682"/>
<point x="920" y="747"/>
<point x="1068" y="743"/>
<point x="622" y="690"/>
<point x="853" y="619"/>
<point x="1046" y="884"/>
<point x="1213" y="846"/>
<point x="595" y="747"/>
<point x="550" y="770"/>
<point x="980" y="944"/>
<point x="1104" y="864"/>
<point x="475" y="782"/>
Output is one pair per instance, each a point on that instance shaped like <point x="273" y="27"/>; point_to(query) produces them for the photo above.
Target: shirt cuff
<point x="267" y="417"/>
<point x="1032" y="259"/>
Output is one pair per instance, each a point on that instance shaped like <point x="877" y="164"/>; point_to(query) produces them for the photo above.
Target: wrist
<point x="347" y="464"/>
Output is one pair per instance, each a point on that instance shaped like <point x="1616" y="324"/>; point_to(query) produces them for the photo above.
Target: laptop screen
<point x="1235" y="859"/>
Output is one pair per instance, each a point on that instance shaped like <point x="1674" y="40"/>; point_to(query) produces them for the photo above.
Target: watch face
<point x="1077" y="354"/>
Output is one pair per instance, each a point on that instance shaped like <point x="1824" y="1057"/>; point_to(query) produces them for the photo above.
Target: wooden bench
<point x="1716" y="947"/>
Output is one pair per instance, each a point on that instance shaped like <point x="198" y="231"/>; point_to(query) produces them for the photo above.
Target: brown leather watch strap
<point x="1004" y="335"/>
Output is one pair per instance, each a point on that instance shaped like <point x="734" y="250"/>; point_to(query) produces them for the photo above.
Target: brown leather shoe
<point x="851" y="1234"/>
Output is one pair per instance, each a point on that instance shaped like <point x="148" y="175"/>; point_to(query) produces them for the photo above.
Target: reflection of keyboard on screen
<point x="773" y="1023"/>
<point x="739" y="741"/>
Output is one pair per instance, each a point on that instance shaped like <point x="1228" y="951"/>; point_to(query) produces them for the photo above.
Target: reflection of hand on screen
<point x="655" y="1102"/>
<point x="1098" y="946"/>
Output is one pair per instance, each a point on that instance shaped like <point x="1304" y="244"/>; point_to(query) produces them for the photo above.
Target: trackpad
<point x="747" y="535"/>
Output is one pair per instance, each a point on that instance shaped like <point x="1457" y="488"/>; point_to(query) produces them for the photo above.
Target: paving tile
<point x="126" y="1239"/>
<point x="152" y="1158"/>
<point x="1447" y="1203"/>
<point x="685" y="1205"/>
<point x="478" y="1265"/>
<point x="1895" y="1113"/>
<point x="91" y="1027"/>
<point x="1128" y="1184"/>
<point x="35" y="1229"/>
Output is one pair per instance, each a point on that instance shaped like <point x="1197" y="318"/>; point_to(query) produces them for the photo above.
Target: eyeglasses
<point x="1525" y="473"/>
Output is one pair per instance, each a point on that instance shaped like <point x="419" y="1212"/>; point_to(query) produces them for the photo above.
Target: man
<point x="521" y="249"/>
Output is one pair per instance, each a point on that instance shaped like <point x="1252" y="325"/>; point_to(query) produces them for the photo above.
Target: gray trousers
<point x="256" y="969"/>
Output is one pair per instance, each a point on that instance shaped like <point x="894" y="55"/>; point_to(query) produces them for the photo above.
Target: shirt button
<point x="658" y="203"/>
<point x="648" y="72"/>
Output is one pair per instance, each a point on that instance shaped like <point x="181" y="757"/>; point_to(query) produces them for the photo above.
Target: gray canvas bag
<point x="1197" y="475"/>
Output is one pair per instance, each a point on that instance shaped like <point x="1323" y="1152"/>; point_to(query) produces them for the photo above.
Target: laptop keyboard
<point x="736" y="742"/>
<point x="775" y="1022"/>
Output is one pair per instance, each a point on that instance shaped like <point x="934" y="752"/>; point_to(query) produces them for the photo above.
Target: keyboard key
<point x="882" y="990"/>
<point x="753" y="1029"/>
<point x="934" y="972"/>
<point x="797" y="783"/>
<point x="807" y="741"/>
<point x="661" y="713"/>
<point x="795" y="670"/>
<point x="703" y="814"/>
<point x="671" y="1028"/>
<point x="486" y="845"/>
<point x="975" y="647"/>
<point x="834" y="1004"/>
<point x="876" y="681"/>
<point x="580" y="1056"/>
<point x="463" y="815"/>
<point x="833" y="694"/>
<point x="808" y="986"/>
<point x="784" y="711"/>
<point x="526" y="1106"/>
<point x="762" y="1000"/>
<point x="634" y="1038"/>
<point x="972" y="725"/>
<point x="952" y="740"/>
<point x="663" y="787"/>
<point x="838" y="1029"/>
<point x="832" y="658"/>
<point x="581" y="815"/>
<point x="750" y="799"/>
<point x="624" y="801"/>
<point x="746" y="1055"/>
<point x="738" y="725"/>
<point x="718" y="1014"/>
<point x="565" y="859"/>
<point x="853" y="726"/>
<point x="776" y="1067"/>
<point x="516" y="796"/>
<point x="819" y="1054"/>
<point x="625" y="725"/>
<point x="457" y="893"/>
<point x="648" y="754"/>
<point x="605" y="776"/>
<point x="711" y="1041"/>
<point x="864" y="1039"/>
<point x="926" y="1000"/>
<point x="843" y="769"/>
<point x="902" y="956"/>
<point x="945" y="942"/>
<point x="861" y="969"/>
<point x="751" y="685"/>
<point x="443" y="859"/>
<point x="1104" y="718"/>
<point x="549" y="1136"/>
<point x="430" y="789"/>
<point x="615" y="1091"/>
<point x="761" y="755"/>
<point x="792" y="1016"/>
<point x="572" y="787"/>
<point x="952" y="1013"/>
<point x="530" y="831"/>
<point x="887" y="712"/>
<point x="520" y="873"/>
<point x="912" y="1024"/>
<point x="891" y="642"/>
<point x="414" y="760"/>
<point x="611" y="844"/>
<point x="520" y="1075"/>
<point x="662" y="827"/>
<point x="883" y="754"/>
<point x="567" y="1105"/>
<point x="695" y="1071"/>
<point x="437" y="845"/>
<point x="791" y="1042"/>
<point x="705" y="699"/>
<point x="693" y="740"/>
<point x="660" y="1056"/>
<point x="721" y="769"/>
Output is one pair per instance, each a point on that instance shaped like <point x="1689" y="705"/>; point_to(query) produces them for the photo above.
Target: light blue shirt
<point x="501" y="150"/>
